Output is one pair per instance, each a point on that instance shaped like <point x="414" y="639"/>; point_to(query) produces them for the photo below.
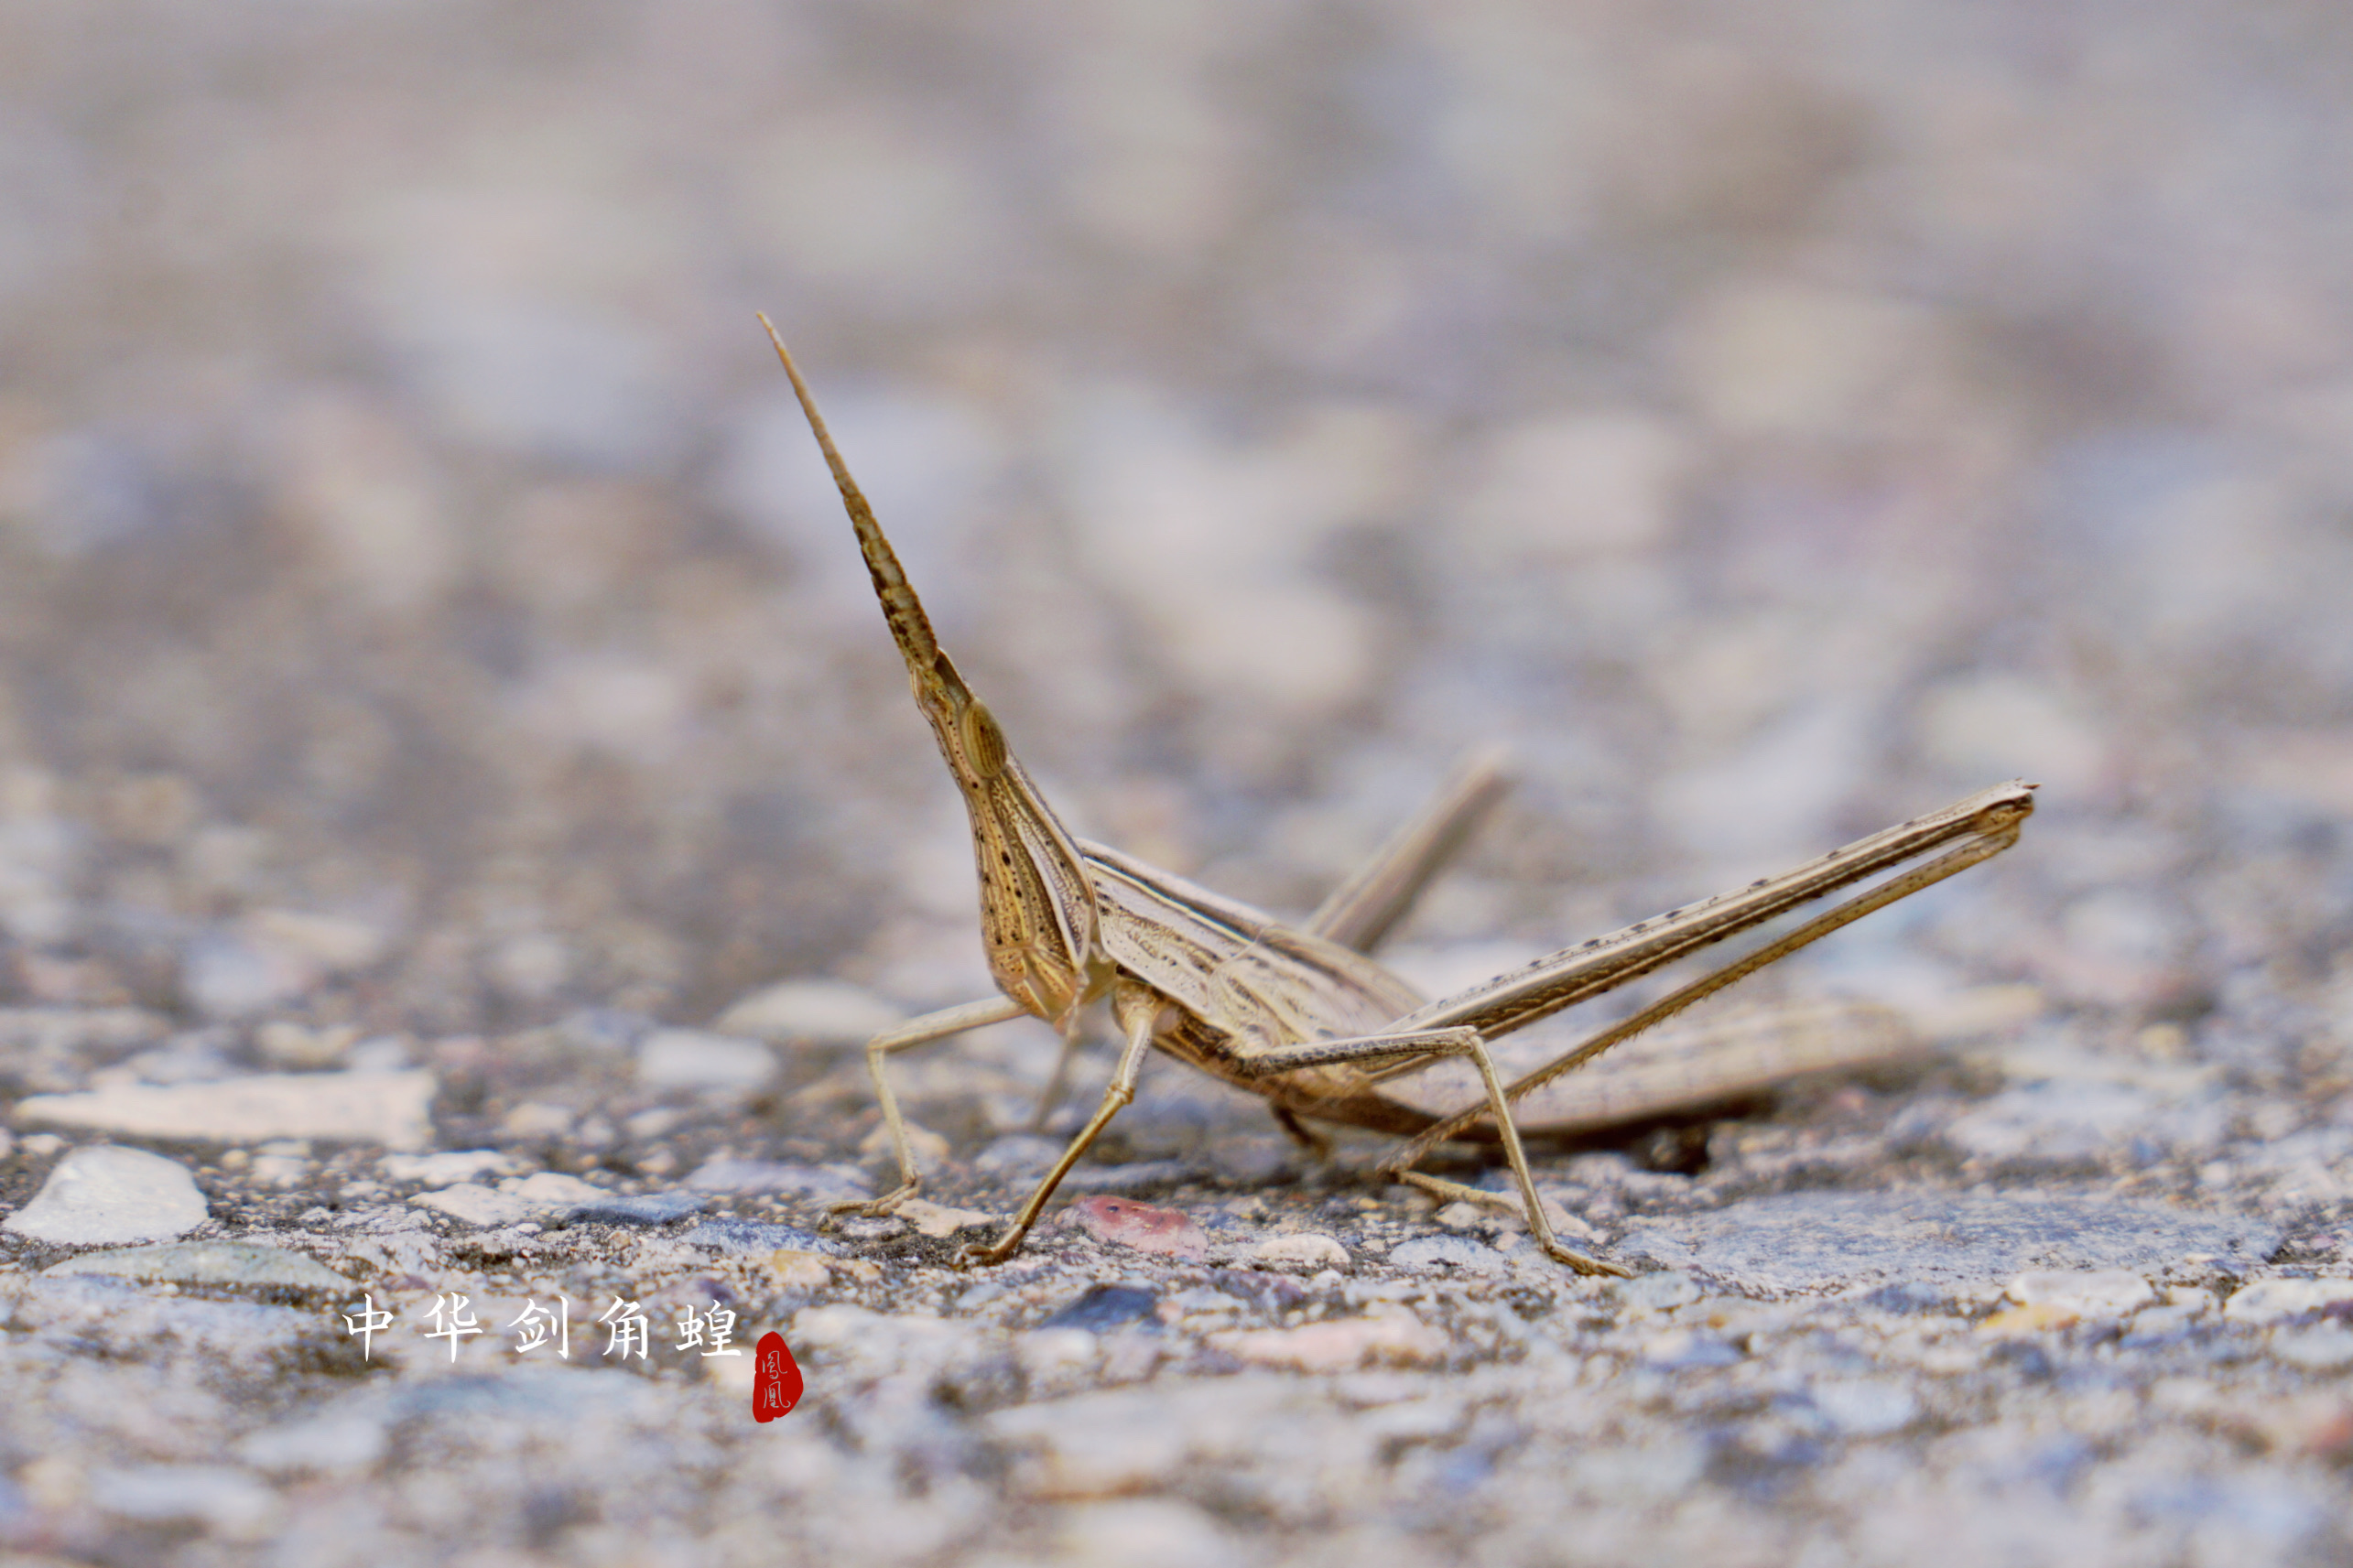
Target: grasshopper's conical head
<point x="1037" y="902"/>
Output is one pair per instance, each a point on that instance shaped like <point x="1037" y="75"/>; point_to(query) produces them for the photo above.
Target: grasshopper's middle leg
<point x="927" y="1030"/>
<point x="1380" y="895"/>
<point x="1426" y="1044"/>
<point x="1059" y="1079"/>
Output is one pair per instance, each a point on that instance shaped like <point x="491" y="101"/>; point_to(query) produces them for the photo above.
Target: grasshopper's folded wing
<point x="1235" y="967"/>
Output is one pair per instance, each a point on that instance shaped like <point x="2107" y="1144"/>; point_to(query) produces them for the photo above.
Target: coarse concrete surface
<point x="460" y="814"/>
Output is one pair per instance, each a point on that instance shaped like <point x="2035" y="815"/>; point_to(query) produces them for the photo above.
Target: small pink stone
<point x="1141" y="1227"/>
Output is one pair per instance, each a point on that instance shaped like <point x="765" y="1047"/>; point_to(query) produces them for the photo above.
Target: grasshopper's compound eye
<point x="984" y="743"/>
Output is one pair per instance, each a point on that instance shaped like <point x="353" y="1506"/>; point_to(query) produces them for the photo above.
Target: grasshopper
<point x="1300" y="1014"/>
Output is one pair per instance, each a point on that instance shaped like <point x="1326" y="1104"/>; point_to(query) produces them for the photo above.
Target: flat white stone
<point x="360" y="1107"/>
<point x="553" y="1190"/>
<point x="698" y="1059"/>
<point x="1457" y="1253"/>
<point x="448" y="1166"/>
<point x="513" y="1200"/>
<point x="478" y="1205"/>
<point x="106" y="1196"/>
<point x="2087" y="1292"/>
<point x="208" y="1263"/>
<point x="1306" y="1246"/>
<point x="816" y="1012"/>
<point x="2283" y="1301"/>
<point x="941" y="1220"/>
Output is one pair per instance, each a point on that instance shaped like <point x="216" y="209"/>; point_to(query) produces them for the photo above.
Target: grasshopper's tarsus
<point x="1300" y="1014"/>
<point x="880" y="1207"/>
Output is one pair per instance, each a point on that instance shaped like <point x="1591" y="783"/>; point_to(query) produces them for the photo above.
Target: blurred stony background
<point x="423" y="621"/>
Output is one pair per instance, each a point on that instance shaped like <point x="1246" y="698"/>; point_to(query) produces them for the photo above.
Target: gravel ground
<point x="459" y="812"/>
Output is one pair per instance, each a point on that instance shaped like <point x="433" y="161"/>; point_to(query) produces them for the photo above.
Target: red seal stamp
<point x="775" y="1379"/>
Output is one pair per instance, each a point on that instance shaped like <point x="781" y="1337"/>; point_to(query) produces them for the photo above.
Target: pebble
<point x="217" y="1497"/>
<point x="208" y="1263"/>
<point x="299" y="1047"/>
<point x="2269" y="1301"/>
<point x="1658" y="1293"/>
<point x="348" y="1441"/>
<point x="554" y="1190"/>
<point x="1126" y="1223"/>
<point x="105" y="1196"/>
<point x="1143" y="1532"/>
<point x="1050" y="1356"/>
<point x="1684" y="1348"/>
<point x="1865" y="1407"/>
<point x="732" y="1235"/>
<point x="1121" y="1442"/>
<point x="861" y="1343"/>
<point x="37" y="1031"/>
<point x="477" y="1205"/>
<point x="809" y="1012"/>
<point x="390" y="1109"/>
<point x="2087" y="1292"/>
<point x="2039" y="1317"/>
<point x="1304" y="1248"/>
<point x="797" y="1271"/>
<point x="1395" y="1338"/>
<point x="1105" y="1307"/>
<point x="698" y="1059"/>
<point x="514" y="1199"/>
<point x="640" y="1208"/>
<point x="939" y="1220"/>
<point x="819" y="1183"/>
<point x="123" y="1317"/>
<point x="1449" y="1254"/>
<point x="537" y="1120"/>
<point x="451" y="1165"/>
<point x="2327" y="1348"/>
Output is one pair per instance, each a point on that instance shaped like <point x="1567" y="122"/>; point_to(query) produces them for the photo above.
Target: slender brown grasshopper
<point x="1300" y="1015"/>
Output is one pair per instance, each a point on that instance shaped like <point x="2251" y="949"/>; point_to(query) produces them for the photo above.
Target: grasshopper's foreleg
<point x="1426" y="1044"/>
<point x="924" y="1031"/>
<point x="1141" y="1022"/>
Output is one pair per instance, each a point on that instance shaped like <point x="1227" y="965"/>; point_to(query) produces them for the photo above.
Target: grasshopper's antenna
<point x="909" y="626"/>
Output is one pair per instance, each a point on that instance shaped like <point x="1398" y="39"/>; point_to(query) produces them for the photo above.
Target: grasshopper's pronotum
<point x="1299" y="1014"/>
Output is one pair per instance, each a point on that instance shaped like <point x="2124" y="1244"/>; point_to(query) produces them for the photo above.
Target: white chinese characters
<point x="629" y="1328"/>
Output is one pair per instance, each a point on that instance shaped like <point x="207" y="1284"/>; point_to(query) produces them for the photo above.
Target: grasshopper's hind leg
<point x="1364" y="909"/>
<point x="1426" y="1044"/>
<point x="929" y="1029"/>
